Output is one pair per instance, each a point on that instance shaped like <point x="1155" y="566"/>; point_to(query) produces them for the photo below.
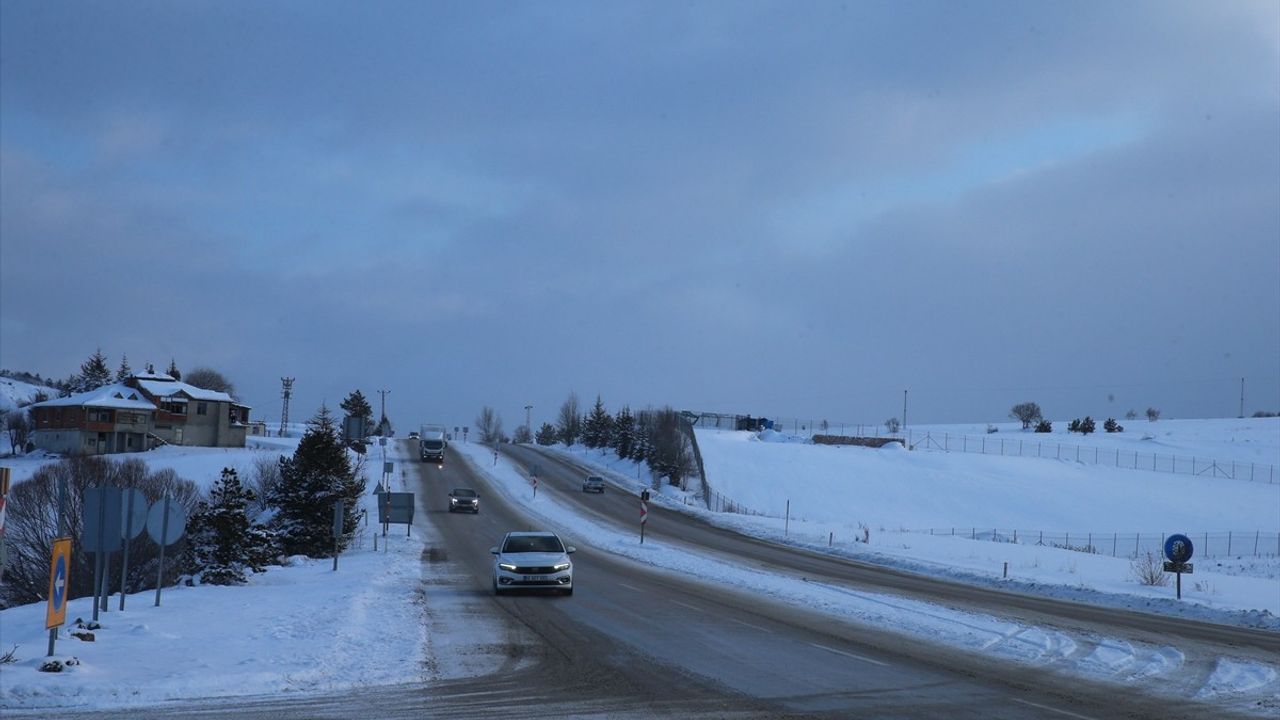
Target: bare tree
<point x="893" y="424"/>
<point x="522" y="435"/>
<point x="210" y="379"/>
<point x="1152" y="414"/>
<point x="32" y="524"/>
<point x="1027" y="412"/>
<point x="489" y="425"/>
<point x="569" y="420"/>
<point x="18" y="425"/>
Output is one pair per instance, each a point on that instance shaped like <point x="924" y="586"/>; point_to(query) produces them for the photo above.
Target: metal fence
<point x="1247" y="543"/>
<point x="1094" y="455"/>
<point x="994" y="444"/>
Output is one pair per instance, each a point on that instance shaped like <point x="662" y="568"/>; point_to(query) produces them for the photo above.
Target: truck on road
<point x="432" y="441"/>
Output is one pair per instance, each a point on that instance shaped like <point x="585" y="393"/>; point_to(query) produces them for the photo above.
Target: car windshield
<point x="463" y="492"/>
<point x="532" y="543"/>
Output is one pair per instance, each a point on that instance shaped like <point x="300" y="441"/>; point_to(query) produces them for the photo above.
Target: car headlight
<point x="562" y="566"/>
<point x="453" y="501"/>
<point x="507" y="566"/>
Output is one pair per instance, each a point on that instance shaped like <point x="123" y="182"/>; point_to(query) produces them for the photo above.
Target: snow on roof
<point x="109" y="396"/>
<point x="165" y="388"/>
<point x="154" y="376"/>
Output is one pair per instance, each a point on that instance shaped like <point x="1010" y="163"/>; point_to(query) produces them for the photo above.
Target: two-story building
<point x="147" y="410"/>
<point x="112" y="419"/>
<point x="188" y="415"/>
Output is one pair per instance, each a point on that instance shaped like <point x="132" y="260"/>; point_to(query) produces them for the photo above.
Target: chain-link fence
<point x="1228" y="543"/>
<point x="1094" y="455"/>
<point x="993" y="444"/>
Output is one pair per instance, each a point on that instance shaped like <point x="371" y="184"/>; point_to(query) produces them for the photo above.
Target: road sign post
<point x="337" y="530"/>
<point x="134" y="507"/>
<point x="1178" y="550"/>
<point x="166" y="522"/>
<point x="59" y="587"/>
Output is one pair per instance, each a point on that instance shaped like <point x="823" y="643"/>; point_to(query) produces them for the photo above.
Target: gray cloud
<point x="796" y="210"/>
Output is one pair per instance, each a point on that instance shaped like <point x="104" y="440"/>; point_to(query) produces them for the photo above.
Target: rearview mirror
<point x="493" y="550"/>
<point x="571" y="549"/>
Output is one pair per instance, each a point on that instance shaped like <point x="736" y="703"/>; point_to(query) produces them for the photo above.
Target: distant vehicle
<point x="432" y="443"/>
<point x="532" y="560"/>
<point x="413" y="434"/>
<point x="464" y="499"/>
<point x="593" y="483"/>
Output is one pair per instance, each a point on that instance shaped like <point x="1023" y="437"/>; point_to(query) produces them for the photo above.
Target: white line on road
<point x="754" y="627"/>
<point x="687" y="605"/>
<point x="629" y="587"/>
<point x="1052" y="709"/>
<point x="850" y="655"/>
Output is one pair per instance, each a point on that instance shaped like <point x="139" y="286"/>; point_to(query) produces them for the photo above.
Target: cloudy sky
<point x="788" y="209"/>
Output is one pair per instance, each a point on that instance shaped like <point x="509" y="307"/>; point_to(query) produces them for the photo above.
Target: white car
<point x="532" y="560"/>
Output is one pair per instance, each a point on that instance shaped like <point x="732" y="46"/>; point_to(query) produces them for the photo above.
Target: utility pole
<point x="904" y="411"/>
<point x="383" y="422"/>
<point x="285" y="393"/>
<point x="527" y="408"/>
<point x="1241" y="397"/>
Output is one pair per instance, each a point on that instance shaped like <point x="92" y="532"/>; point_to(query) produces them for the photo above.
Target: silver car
<point x="532" y="560"/>
<point x="593" y="483"/>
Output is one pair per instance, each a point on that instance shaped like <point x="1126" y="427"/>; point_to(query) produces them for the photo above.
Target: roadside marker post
<point x="644" y="512"/>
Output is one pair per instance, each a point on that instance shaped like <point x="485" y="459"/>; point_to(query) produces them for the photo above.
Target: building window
<point x="202" y="408"/>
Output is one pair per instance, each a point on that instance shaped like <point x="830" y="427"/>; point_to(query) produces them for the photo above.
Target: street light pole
<point x="527" y="408"/>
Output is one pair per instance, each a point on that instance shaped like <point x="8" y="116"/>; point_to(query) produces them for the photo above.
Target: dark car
<point x="464" y="499"/>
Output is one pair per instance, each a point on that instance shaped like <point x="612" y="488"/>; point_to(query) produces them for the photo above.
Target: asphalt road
<point x="633" y="642"/>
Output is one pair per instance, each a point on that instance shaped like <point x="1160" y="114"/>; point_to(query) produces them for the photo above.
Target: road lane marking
<point x="629" y="587"/>
<point x="687" y="605"/>
<point x="1052" y="709"/>
<point x="754" y="627"/>
<point x="850" y="655"/>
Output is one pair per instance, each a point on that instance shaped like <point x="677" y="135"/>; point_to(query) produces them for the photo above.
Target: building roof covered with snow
<point x="116" y="395"/>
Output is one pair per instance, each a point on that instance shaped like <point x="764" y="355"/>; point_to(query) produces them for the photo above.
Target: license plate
<point x="535" y="578"/>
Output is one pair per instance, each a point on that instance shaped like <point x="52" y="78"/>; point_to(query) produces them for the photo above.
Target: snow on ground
<point x="379" y="619"/>
<point x="1111" y="659"/>
<point x="277" y="633"/>
<point x="16" y="393"/>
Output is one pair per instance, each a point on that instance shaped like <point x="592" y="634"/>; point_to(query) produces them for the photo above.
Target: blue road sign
<point x="1178" y="548"/>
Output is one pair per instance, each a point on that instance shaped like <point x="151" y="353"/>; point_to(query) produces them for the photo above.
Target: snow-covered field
<point x="276" y="634"/>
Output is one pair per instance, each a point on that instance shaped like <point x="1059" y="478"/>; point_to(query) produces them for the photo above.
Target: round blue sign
<point x="1178" y="548"/>
<point x="60" y="583"/>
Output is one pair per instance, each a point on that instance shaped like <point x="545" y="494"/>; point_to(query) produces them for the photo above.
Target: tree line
<point x="659" y="438"/>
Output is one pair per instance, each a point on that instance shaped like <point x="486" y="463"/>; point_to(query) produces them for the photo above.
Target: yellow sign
<point x="59" y="583"/>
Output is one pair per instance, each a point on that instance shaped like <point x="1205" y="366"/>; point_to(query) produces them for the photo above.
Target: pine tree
<point x="94" y="373"/>
<point x="318" y="474"/>
<point x="357" y="406"/>
<point x="222" y="543"/>
<point x="173" y="370"/>
<point x="624" y="431"/>
<point x="597" y="428"/>
<point x="124" y="371"/>
<point x="547" y="434"/>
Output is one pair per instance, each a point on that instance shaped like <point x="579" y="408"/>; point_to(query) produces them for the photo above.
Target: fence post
<point x="1089" y="543"/>
<point x="1228" y="543"/>
<point x="1114" y="539"/>
<point x="1137" y="539"/>
<point x="1256" y="535"/>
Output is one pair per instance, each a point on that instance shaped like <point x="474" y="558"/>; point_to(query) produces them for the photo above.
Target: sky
<point x="780" y="209"/>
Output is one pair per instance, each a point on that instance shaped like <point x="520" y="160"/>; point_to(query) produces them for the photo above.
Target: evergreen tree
<point x="357" y="406"/>
<point x="222" y="543"/>
<point x="547" y="434"/>
<point x="173" y="370"/>
<point x="124" y="371"/>
<point x="318" y="474"/>
<point x="1044" y="426"/>
<point x="1087" y="425"/>
<point x="597" y="428"/>
<point x="94" y="373"/>
<point x="624" y="429"/>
